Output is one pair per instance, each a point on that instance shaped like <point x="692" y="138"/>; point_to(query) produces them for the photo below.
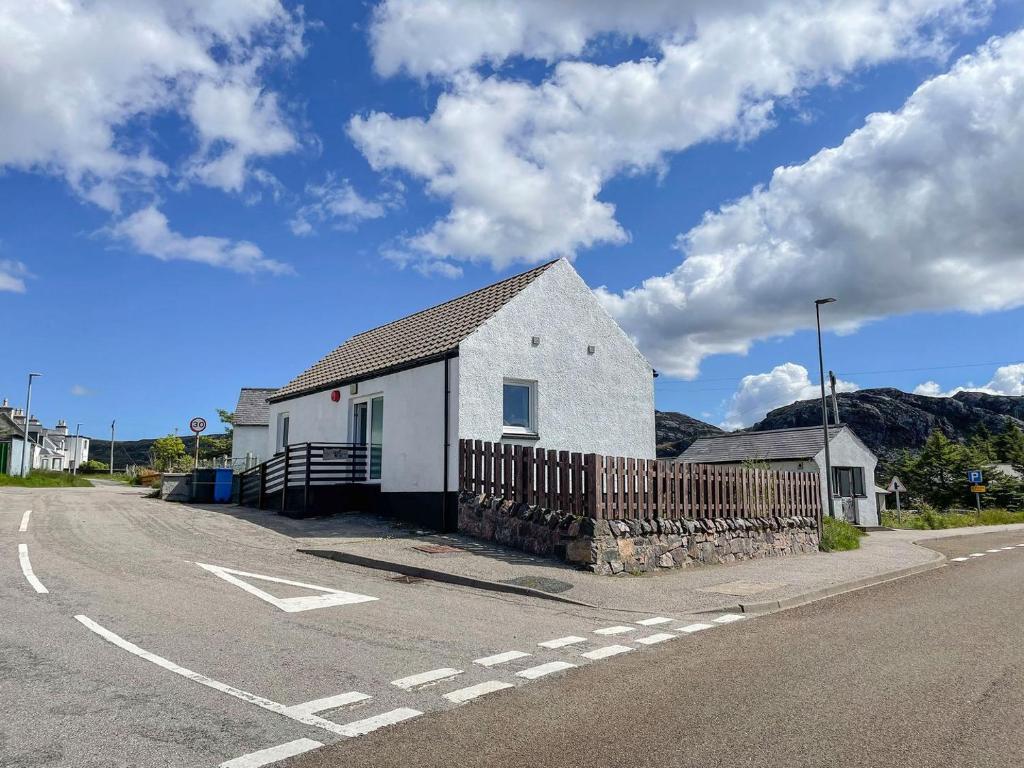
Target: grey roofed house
<point x="802" y="449"/>
<point x="253" y="408"/>
<point x="771" y="445"/>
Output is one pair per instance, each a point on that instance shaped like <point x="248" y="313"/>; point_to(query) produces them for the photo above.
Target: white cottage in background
<point x="250" y="430"/>
<point x="802" y="449"/>
<point x="531" y="360"/>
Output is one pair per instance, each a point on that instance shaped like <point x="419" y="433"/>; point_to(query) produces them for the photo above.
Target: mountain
<point x="890" y="421"/>
<point x="128" y="452"/>
<point x="674" y="432"/>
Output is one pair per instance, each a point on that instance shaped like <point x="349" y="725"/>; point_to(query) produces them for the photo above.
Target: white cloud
<point x="148" y="231"/>
<point x="919" y="210"/>
<point x="12" y="276"/>
<point x="759" y="393"/>
<point x="337" y="203"/>
<point x="1007" y="380"/>
<point x="76" y="79"/>
<point x="80" y="391"/>
<point x="523" y="165"/>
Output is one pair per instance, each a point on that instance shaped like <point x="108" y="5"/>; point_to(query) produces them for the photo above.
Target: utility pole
<point x="112" y="423"/>
<point x="78" y="429"/>
<point x="824" y="408"/>
<point x="835" y="402"/>
<point x="28" y="410"/>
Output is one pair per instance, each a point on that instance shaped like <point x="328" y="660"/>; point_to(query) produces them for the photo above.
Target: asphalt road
<point x="137" y="655"/>
<point x="924" y="671"/>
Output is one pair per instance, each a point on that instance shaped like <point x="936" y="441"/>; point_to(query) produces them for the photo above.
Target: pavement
<point x="141" y="633"/>
<point x="923" y="671"/>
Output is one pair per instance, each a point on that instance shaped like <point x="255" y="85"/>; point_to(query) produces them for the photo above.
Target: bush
<point x="839" y="535"/>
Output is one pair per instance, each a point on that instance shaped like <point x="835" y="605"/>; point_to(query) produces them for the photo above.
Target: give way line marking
<point x="327" y="598"/>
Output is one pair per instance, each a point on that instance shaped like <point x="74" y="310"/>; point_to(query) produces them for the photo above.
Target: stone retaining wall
<point x="633" y="546"/>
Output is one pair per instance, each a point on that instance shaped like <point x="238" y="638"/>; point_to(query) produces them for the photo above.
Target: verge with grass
<point x="930" y="520"/>
<point x="41" y="478"/>
<point x="839" y="535"/>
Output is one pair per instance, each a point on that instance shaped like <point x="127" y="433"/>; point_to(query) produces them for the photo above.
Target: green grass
<point x="41" y="478"/>
<point x="839" y="535"/>
<point x="930" y="520"/>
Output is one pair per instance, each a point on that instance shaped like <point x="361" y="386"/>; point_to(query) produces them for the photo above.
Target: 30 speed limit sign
<point x="197" y="425"/>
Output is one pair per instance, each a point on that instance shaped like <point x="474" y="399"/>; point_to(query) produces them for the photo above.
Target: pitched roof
<point x="415" y="339"/>
<point x="252" y="409"/>
<point x="770" y="445"/>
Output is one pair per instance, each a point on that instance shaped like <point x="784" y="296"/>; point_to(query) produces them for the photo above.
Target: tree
<point x="227" y="418"/>
<point x="1010" y="446"/>
<point x="938" y="474"/>
<point x="168" y="454"/>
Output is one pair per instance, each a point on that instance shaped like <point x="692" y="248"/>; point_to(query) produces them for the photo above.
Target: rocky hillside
<point x="889" y="420"/>
<point x="676" y="431"/>
<point x="127" y="452"/>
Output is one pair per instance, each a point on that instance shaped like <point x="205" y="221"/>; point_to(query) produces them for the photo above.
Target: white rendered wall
<point x="412" y="456"/>
<point x="847" y="451"/>
<point x="249" y="439"/>
<point x="600" y="403"/>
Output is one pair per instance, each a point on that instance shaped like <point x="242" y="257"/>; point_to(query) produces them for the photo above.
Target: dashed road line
<point x="500" y="658"/>
<point x="24" y="521"/>
<point x="604" y="653"/>
<point x="544" y="669"/>
<point x="1006" y="548"/>
<point x="977" y="554"/>
<point x="252" y="698"/>
<point x="26" y="568"/>
<point x="728" y="618"/>
<point x="328" y="703"/>
<point x="474" y="691"/>
<point x="960" y="559"/>
<point x="426" y="678"/>
<point x="361" y="727"/>
<point x="561" y="642"/>
<point x="691" y="628"/>
<point x="272" y="754"/>
<point x="654" y="621"/>
<point x="661" y="637"/>
<point x="993" y="550"/>
<point x="618" y="630"/>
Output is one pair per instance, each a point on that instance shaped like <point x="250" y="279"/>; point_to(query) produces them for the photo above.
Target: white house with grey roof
<point x="250" y="432"/>
<point x="533" y="359"/>
<point x="802" y="449"/>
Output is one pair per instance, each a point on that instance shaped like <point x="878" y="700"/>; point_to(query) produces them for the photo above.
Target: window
<point x="282" y="430"/>
<point x="848" y="481"/>
<point x="519" y="407"/>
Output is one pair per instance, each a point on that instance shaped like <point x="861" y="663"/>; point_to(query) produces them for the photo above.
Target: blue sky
<point x="351" y="163"/>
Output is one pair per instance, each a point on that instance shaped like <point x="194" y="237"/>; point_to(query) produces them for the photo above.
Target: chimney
<point x="6" y="409"/>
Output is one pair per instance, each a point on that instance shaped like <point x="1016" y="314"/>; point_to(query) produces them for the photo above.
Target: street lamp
<point x="78" y="431"/>
<point x="824" y="407"/>
<point x="28" y="410"/>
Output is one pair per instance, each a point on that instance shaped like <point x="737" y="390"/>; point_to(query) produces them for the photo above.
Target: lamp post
<point x="78" y="430"/>
<point x="824" y="407"/>
<point x="28" y="410"/>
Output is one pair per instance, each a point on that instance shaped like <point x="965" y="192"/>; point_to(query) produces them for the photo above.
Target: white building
<point x="50" y="449"/>
<point x="532" y="360"/>
<point x="250" y="433"/>
<point x="802" y="449"/>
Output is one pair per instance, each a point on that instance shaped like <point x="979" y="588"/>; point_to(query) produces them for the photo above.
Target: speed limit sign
<point x="197" y="425"/>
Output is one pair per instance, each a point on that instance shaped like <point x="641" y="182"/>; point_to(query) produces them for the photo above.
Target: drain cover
<point x="554" y="586"/>
<point x="436" y="549"/>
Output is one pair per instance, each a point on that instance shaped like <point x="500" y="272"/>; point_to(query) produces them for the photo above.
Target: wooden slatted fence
<point x="617" y="488"/>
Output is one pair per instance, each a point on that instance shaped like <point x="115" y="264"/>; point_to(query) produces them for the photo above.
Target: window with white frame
<point x="519" y="407"/>
<point x="282" y="430"/>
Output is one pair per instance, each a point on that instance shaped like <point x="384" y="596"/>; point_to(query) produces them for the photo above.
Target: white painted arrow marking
<point x="329" y="597"/>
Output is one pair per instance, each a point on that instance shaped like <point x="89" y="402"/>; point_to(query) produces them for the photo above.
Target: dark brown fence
<point x="302" y="467"/>
<point x="613" y="487"/>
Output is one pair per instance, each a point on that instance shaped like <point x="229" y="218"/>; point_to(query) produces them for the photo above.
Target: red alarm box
<point x="335" y="395"/>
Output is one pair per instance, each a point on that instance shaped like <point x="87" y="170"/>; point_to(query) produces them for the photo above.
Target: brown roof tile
<point x="419" y="337"/>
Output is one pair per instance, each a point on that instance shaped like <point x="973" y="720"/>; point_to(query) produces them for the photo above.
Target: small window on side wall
<point x="519" y="407"/>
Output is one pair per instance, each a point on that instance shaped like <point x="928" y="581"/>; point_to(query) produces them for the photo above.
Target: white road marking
<point x="728" y="618"/>
<point x="328" y="702"/>
<point x="26" y="568"/>
<point x="993" y="550"/>
<point x="619" y="630"/>
<point x="561" y="642"/>
<point x="608" y="650"/>
<point x="1019" y="545"/>
<point x="273" y="754"/>
<point x="1006" y="548"/>
<point x="691" y="628"/>
<point x="654" y="621"/>
<point x="473" y="691"/>
<point x="24" y="521"/>
<point x="288" y="604"/>
<point x="960" y="559"/>
<point x="978" y="554"/>
<point x="360" y="727"/>
<point x="544" y="669"/>
<point x="661" y="637"/>
<point x="252" y="698"/>
<point x="426" y="678"/>
<point x="500" y="658"/>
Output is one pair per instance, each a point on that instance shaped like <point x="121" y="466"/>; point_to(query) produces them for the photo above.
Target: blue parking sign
<point x="974" y="476"/>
